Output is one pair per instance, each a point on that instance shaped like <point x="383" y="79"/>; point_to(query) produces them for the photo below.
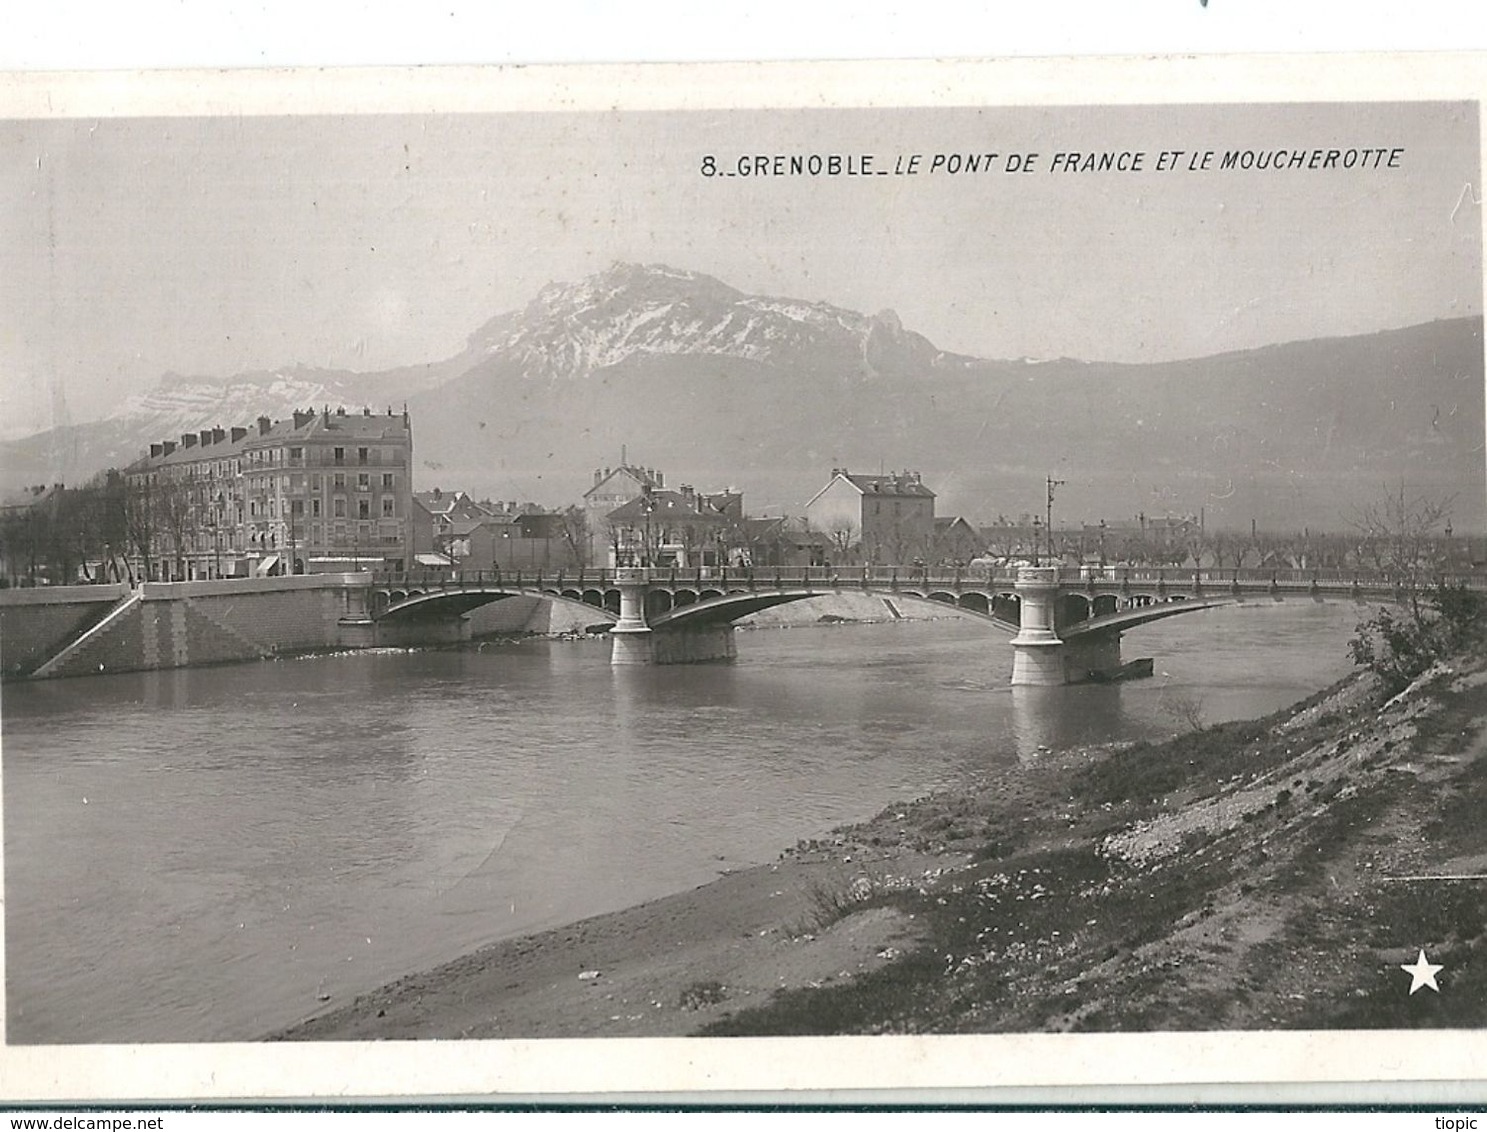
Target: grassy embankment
<point x="1248" y="875"/>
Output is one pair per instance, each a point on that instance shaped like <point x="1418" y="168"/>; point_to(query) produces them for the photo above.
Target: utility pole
<point x="1048" y="522"/>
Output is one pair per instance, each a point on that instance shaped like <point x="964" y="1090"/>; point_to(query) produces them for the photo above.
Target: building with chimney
<point x="683" y="529"/>
<point x="613" y="488"/>
<point x="317" y="492"/>
<point x="886" y="520"/>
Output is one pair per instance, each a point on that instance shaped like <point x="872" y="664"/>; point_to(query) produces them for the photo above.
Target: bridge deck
<point x="1107" y="579"/>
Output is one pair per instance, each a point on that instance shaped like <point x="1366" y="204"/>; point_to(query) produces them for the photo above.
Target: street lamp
<point x="1048" y="523"/>
<point x="647" y="505"/>
<point x="1036" y="537"/>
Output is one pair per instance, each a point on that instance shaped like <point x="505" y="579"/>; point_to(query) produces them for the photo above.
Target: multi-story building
<point x="316" y="492"/>
<point x="885" y="519"/>
<point x="612" y="489"/>
<point x="683" y="528"/>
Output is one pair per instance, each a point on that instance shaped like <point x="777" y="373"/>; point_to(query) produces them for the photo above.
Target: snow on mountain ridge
<point x="572" y="329"/>
<point x="190" y="405"/>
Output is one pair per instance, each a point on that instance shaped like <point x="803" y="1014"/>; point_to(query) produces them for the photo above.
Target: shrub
<point x="1397" y="648"/>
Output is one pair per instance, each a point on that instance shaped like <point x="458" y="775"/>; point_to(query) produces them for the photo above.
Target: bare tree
<point x="843" y="534"/>
<point x="142" y="522"/>
<point x="1402" y="533"/>
<point x="573" y="525"/>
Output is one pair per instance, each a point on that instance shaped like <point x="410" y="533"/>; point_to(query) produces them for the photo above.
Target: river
<point x="209" y="854"/>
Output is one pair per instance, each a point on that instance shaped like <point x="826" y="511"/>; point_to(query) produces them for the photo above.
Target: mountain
<point x="718" y="387"/>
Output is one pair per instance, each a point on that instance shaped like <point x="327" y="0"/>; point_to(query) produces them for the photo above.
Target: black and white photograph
<point x="561" y="566"/>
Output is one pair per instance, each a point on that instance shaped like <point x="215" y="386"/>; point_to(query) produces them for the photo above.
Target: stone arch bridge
<point x="1065" y="625"/>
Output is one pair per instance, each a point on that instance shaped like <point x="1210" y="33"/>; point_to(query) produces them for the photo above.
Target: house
<point x="880" y="520"/>
<point x="613" y="488"/>
<point x="956" y="541"/>
<point x="683" y="528"/>
<point x="784" y="542"/>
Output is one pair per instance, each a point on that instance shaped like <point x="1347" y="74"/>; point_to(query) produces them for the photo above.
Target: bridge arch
<point x="1007" y="607"/>
<point x="976" y="603"/>
<point x="416" y="604"/>
<point x="1072" y="608"/>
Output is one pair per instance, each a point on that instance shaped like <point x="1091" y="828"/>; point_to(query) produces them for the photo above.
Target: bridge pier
<point x="1091" y="657"/>
<point x="1037" y="651"/>
<point x="630" y="636"/>
<point x="701" y="644"/>
<point x="633" y="641"/>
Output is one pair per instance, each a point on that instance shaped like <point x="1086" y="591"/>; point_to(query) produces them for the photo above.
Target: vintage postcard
<point x="969" y="576"/>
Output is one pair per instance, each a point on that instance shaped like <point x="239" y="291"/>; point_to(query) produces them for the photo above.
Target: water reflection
<point x="199" y="854"/>
<point x="1051" y="719"/>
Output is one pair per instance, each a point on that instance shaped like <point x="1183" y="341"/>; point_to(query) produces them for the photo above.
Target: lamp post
<point x="647" y="505"/>
<point x="1048" y="522"/>
<point x="1036" y="539"/>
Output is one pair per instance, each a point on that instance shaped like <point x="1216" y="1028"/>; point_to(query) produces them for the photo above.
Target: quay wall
<point x="36" y="623"/>
<point x="174" y="624"/>
<point x="85" y="630"/>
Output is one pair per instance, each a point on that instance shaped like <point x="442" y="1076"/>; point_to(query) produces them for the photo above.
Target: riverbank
<point x="1249" y="875"/>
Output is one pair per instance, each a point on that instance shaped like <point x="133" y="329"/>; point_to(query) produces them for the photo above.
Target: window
<point x="296" y="453"/>
<point x="314" y="483"/>
<point x="363" y="508"/>
<point x="340" y="511"/>
<point x="387" y="481"/>
<point x="297" y="507"/>
<point x="340" y="455"/>
<point x="315" y="508"/>
<point x="387" y="505"/>
<point x="340" y="481"/>
<point x="363" y="481"/>
<point x="361" y="455"/>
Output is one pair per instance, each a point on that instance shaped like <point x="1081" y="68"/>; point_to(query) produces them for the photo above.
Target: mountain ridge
<point x="769" y="393"/>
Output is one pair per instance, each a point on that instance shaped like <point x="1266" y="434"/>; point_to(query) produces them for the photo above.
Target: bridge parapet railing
<point x="915" y="577"/>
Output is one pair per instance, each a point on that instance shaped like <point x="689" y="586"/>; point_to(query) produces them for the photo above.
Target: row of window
<point x="296" y="482"/>
<point x="199" y="542"/>
<point x="259" y="508"/>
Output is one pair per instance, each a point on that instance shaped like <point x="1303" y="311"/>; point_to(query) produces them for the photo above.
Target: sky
<point x="211" y="246"/>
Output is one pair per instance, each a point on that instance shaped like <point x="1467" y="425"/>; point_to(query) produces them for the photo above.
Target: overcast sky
<point x="213" y="246"/>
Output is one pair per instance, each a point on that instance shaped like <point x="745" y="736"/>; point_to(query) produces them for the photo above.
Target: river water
<point x="204" y="854"/>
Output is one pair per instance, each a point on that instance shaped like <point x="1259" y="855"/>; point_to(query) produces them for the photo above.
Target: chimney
<point x="206" y="437"/>
<point x="188" y="440"/>
<point x="238" y="433"/>
<point x="169" y="446"/>
<point x="366" y="412"/>
<point x="218" y="435"/>
<point x="156" y="450"/>
<point x="660" y="480"/>
<point x="264" y="424"/>
<point x="598" y="476"/>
